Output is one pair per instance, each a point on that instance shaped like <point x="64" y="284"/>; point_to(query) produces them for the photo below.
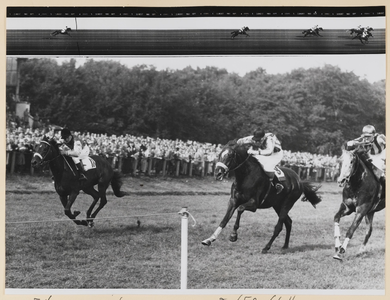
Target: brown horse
<point x="67" y="184"/>
<point x="242" y="31"/>
<point x="360" y="195"/>
<point x="252" y="189"/>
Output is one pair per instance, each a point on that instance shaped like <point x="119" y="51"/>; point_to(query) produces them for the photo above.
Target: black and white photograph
<point x="226" y="152"/>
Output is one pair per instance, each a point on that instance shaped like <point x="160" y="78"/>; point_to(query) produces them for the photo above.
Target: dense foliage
<point x="312" y="110"/>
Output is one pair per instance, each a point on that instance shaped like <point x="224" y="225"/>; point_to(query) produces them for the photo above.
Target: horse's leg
<point x="288" y="225"/>
<point x="343" y="211"/>
<point x="68" y="206"/>
<point x="251" y="206"/>
<point x="232" y="205"/>
<point x="95" y="195"/>
<point x="103" y="201"/>
<point x="369" y="218"/>
<point x="360" y="213"/>
<point x="283" y="218"/>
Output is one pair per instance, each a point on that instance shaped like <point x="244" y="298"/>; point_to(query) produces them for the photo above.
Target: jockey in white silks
<point x="64" y="29"/>
<point x="374" y="145"/>
<point x="267" y="149"/>
<point x="76" y="150"/>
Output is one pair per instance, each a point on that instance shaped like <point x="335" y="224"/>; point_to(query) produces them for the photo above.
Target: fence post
<point x="164" y="168"/>
<point x="120" y="163"/>
<point x="190" y="171"/>
<point x="13" y="158"/>
<point x="177" y="167"/>
<point x="150" y="162"/>
<point x="184" y="247"/>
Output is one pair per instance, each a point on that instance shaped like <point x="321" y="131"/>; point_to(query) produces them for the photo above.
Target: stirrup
<point x="279" y="188"/>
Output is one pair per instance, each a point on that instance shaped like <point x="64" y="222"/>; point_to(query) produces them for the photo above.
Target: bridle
<point x="226" y="168"/>
<point x="43" y="158"/>
<point x="355" y="167"/>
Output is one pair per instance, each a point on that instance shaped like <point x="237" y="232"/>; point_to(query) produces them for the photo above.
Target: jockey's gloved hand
<point x="253" y="151"/>
<point x="350" y="145"/>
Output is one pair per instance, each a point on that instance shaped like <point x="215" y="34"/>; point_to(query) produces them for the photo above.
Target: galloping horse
<point x="363" y="37"/>
<point x="67" y="184"/>
<point x="240" y="31"/>
<point x="360" y="195"/>
<point x="252" y="190"/>
<point x="66" y="31"/>
<point x="360" y="30"/>
<point x="315" y="32"/>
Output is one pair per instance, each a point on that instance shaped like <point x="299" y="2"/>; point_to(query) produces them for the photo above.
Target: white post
<point x="184" y="247"/>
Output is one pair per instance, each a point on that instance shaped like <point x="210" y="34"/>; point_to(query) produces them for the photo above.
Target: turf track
<point x="188" y="42"/>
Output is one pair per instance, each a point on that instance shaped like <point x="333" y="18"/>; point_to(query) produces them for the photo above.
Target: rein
<point x="356" y="165"/>
<point x="43" y="159"/>
<point x="226" y="168"/>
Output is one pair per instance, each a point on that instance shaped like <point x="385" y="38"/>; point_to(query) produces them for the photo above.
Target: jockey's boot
<point x="278" y="186"/>
<point x="82" y="174"/>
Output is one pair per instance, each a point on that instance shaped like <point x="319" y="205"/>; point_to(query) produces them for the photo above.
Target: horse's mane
<point x="231" y="143"/>
<point x="364" y="157"/>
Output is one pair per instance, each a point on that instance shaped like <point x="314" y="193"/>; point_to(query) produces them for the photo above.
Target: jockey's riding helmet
<point x="65" y="132"/>
<point x="368" y="130"/>
<point x="258" y="134"/>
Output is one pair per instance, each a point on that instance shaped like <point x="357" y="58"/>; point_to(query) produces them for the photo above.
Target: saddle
<point x="88" y="163"/>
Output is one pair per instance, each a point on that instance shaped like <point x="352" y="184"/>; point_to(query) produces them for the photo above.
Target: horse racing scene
<point x="228" y="173"/>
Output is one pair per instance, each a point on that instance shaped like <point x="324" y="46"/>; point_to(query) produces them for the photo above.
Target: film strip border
<point x="182" y="12"/>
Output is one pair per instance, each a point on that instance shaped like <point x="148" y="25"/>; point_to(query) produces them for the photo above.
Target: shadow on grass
<point x="134" y="229"/>
<point x="306" y="248"/>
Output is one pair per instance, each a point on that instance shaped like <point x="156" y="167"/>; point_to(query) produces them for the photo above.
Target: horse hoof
<point x="90" y="224"/>
<point x="338" y="257"/>
<point x="83" y="222"/>
<point x="233" y="238"/>
<point x="206" y="242"/>
<point x="264" y="251"/>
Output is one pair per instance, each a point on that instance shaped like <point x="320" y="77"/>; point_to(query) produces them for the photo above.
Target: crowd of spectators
<point x="137" y="155"/>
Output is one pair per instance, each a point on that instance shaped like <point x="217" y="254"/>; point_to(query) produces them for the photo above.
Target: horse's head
<point x="348" y="166"/>
<point x="46" y="151"/>
<point x="231" y="157"/>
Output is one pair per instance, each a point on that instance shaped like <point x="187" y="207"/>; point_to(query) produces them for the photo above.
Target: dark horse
<point x="240" y="31"/>
<point x="363" y="37"/>
<point x="357" y="31"/>
<point x="66" y="180"/>
<point x="315" y="32"/>
<point x="66" y="31"/>
<point x="252" y="190"/>
<point x="360" y="195"/>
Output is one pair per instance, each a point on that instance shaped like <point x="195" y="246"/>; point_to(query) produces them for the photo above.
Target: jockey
<point x="374" y="145"/>
<point x="242" y="30"/>
<point x="64" y="30"/>
<point x="314" y="28"/>
<point x="76" y="149"/>
<point x="267" y="149"/>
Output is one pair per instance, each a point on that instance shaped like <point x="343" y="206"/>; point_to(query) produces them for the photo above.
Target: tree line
<point x="313" y="110"/>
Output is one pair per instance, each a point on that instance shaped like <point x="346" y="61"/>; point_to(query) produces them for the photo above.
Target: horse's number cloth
<point x="88" y="163"/>
<point x="279" y="173"/>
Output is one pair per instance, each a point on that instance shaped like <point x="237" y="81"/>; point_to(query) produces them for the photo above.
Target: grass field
<point x="45" y="250"/>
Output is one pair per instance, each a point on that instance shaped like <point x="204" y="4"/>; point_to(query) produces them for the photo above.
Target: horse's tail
<point x="116" y="184"/>
<point x="310" y="193"/>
